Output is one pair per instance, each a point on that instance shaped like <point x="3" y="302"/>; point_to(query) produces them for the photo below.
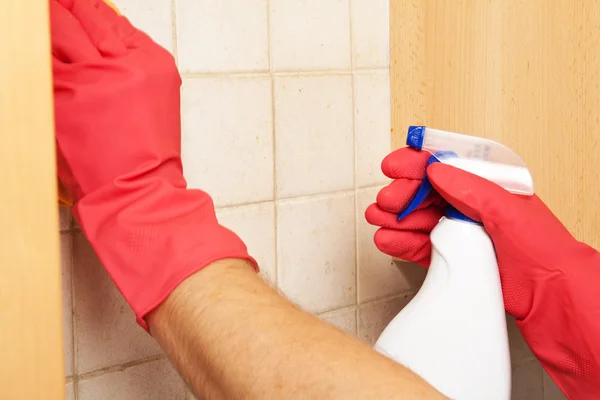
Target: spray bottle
<point x="453" y="333"/>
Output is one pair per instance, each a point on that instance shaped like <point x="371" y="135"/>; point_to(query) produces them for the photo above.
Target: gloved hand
<point x="117" y="96"/>
<point x="550" y="281"/>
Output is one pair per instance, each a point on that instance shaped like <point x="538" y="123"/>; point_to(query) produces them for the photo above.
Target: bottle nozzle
<point x="483" y="157"/>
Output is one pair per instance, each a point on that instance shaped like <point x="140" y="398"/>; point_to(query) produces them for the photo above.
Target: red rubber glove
<point x="550" y="281"/>
<point x="118" y="134"/>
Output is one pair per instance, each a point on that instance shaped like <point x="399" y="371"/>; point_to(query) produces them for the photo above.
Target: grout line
<point x="374" y="185"/>
<point x="226" y="74"/>
<point x="238" y="205"/>
<point x="278" y="200"/>
<point x="269" y="47"/>
<point x="401" y="293"/>
<point x="274" y="279"/>
<point x="394" y="296"/>
<point x="379" y="300"/>
<point x="121" y="367"/>
<point x="270" y="73"/>
<point x="355" y="163"/>
<point x="326" y="314"/>
<point x="351" y="35"/>
<point x="174" y="31"/>
<point x="302" y="197"/>
<point x="316" y="196"/>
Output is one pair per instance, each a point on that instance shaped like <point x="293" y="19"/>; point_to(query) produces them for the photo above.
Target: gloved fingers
<point x="398" y="194"/>
<point x="477" y="198"/>
<point x="70" y="42"/>
<point x="409" y="246"/>
<point x="100" y="29"/>
<point x="420" y="220"/>
<point x="405" y="163"/>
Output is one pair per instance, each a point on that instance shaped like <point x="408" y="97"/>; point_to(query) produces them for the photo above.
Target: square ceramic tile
<point x="316" y="251"/>
<point x="225" y="35"/>
<point x="151" y="16"/>
<point x="156" y="380"/>
<point x="344" y="319"/>
<point x="313" y="127"/>
<point x="519" y="350"/>
<point x="378" y="275"/>
<point x="551" y="391"/>
<point x="372" y="126"/>
<point x="371" y="33"/>
<point x="527" y="382"/>
<point x="106" y="333"/>
<point x="64" y="218"/>
<point x="310" y="35"/>
<point x="255" y="224"/>
<point x="375" y="316"/>
<point x="66" y="256"/>
<point x="228" y="138"/>
<point x="70" y="391"/>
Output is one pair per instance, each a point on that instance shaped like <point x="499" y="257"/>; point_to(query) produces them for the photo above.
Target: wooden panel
<point x="525" y="73"/>
<point x="31" y="341"/>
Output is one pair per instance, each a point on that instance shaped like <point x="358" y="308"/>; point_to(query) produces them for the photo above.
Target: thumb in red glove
<point x="549" y="280"/>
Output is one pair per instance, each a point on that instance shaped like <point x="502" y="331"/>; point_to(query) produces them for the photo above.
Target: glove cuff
<point x="152" y="237"/>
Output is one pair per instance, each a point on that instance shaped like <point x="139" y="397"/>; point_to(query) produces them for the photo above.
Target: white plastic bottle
<point x="453" y="333"/>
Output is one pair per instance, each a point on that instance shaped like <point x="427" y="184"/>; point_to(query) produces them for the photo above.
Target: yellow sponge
<point x="63" y="197"/>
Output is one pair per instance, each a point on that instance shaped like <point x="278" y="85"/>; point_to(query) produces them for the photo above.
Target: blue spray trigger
<point x="426" y="186"/>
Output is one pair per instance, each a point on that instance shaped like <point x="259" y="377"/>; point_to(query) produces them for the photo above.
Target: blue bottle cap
<point x="415" y="136"/>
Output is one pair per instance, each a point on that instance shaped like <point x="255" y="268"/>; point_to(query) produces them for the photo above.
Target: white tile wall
<point x="372" y="117"/>
<point x="70" y="391"/>
<point x="227" y="144"/>
<point x="370" y="33"/>
<point x="285" y="110"/>
<point x="310" y="35"/>
<point x="154" y="17"/>
<point x="373" y="317"/>
<point x="255" y="224"/>
<point x="344" y="319"/>
<point x="222" y="36"/>
<point x="105" y="333"/>
<point x="315" y="142"/>
<point x="378" y="275"/>
<point x="316" y="253"/>
<point x="156" y="380"/>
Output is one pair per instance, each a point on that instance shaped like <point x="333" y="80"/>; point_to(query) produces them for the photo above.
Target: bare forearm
<point x="231" y="336"/>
